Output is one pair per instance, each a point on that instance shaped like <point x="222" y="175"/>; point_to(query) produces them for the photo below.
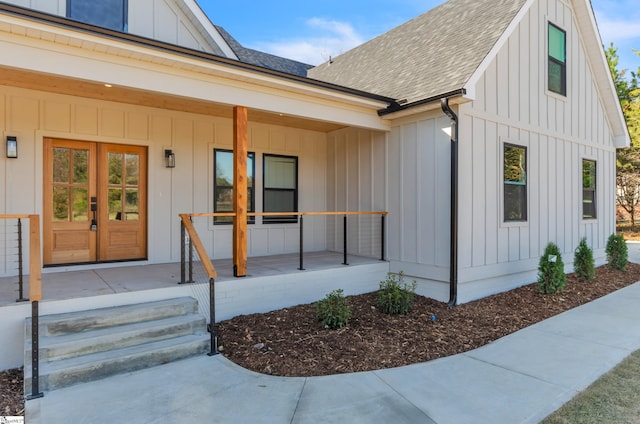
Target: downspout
<point x="453" y="252"/>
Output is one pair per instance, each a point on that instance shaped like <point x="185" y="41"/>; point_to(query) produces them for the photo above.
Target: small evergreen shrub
<point x="395" y="296"/>
<point x="551" y="277"/>
<point x="617" y="252"/>
<point x="333" y="311"/>
<point x="583" y="263"/>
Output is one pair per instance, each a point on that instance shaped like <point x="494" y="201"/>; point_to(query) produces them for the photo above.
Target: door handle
<point x="94" y="209"/>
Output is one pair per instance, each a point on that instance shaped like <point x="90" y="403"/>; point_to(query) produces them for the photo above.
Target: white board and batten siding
<point x="513" y="106"/>
<point x="356" y="182"/>
<point x="33" y="115"/>
<point x="156" y="19"/>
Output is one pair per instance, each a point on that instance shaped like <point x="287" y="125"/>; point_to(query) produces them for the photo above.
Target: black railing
<point x="35" y="291"/>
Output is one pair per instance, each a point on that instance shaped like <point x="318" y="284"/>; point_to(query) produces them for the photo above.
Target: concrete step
<point x="89" y="345"/>
<point x="75" y="322"/>
<point x="84" y="343"/>
<point x="80" y="369"/>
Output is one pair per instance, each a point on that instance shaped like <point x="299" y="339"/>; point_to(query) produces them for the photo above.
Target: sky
<point x="313" y="31"/>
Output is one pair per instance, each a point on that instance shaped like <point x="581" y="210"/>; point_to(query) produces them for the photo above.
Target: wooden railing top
<point x="15" y="216"/>
<point x="231" y="214"/>
<point x="197" y="244"/>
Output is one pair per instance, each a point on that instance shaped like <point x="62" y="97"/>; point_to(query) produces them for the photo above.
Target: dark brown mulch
<point x="290" y="342"/>
<point x="11" y="393"/>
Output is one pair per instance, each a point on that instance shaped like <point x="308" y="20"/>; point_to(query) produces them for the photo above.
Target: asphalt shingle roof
<point x="432" y="54"/>
<point x="265" y="60"/>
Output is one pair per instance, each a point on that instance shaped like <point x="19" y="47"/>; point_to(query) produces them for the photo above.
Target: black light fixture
<point x="169" y="158"/>
<point x="12" y="147"/>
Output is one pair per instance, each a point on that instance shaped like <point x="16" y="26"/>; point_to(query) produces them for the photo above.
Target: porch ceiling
<point x="93" y="90"/>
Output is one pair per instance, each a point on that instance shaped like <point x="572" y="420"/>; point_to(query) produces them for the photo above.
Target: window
<point x="515" y="183"/>
<point x="110" y="14"/>
<point x="588" y="189"/>
<point x="557" y="66"/>
<point x="280" y="192"/>
<point x="223" y="185"/>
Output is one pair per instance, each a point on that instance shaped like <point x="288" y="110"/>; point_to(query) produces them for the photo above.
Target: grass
<point x="629" y="232"/>
<point x="613" y="398"/>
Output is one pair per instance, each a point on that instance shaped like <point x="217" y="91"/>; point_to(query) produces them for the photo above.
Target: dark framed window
<point x="110" y="14"/>
<point x="588" y="189"/>
<point x="557" y="62"/>
<point x="515" y="183"/>
<point x="280" y="191"/>
<point x="223" y="185"/>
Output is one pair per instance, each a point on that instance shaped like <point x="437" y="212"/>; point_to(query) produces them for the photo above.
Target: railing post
<point x="190" y="258"/>
<point x="344" y="239"/>
<point x="183" y="240"/>
<point x="382" y="229"/>
<point x="21" y="297"/>
<point x="212" y="319"/>
<point x="35" y="354"/>
<point x="301" y="268"/>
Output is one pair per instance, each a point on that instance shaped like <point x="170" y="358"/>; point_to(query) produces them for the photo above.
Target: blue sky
<point x="312" y="31"/>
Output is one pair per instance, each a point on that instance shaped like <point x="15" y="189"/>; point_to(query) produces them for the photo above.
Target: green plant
<point x="583" y="263"/>
<point x="617" y="251"/>
<point x="551" y="277"/>
<point x="395" y="296"/>
<point x="333" y="311"/>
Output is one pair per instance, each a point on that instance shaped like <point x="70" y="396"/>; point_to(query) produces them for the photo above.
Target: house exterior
<point x="96" y="110"/>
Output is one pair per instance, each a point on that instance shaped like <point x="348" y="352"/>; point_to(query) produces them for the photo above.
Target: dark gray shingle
<point x="265" y="60"/>
<point x="432" y="54"/>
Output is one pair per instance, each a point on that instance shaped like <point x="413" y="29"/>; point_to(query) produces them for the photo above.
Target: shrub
<point x="394" y="296"/>
<point x="616" y="251"/>
<point x="583" y="263"/>
<point x="551" y="277"/>
<point x="333" y="311"/>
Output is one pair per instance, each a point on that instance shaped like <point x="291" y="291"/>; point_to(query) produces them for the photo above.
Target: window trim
<point x="563" y="65"/>
<point x="284" y="219"/>
<point x="595" y="189"/>
<point x="252" y="190"/>
<point x="503" y="183"/>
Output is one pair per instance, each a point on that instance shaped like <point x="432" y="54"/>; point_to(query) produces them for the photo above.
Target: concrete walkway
<point x="520" y="378"/>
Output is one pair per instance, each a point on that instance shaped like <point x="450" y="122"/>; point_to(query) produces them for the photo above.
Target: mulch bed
<point x="11" y="393"/>
<point x="290" y="342"/>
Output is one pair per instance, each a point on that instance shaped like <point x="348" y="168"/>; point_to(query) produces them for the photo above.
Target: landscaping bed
<point x="290" y="342"/>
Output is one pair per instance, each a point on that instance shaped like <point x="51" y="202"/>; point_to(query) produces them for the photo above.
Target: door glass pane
<point x="80" y="205"/>
<point x="132" y="169"/>
<point x="115" y="204"/>
<point x="131" y="207"/>
<point x="60" y="204"/>
<point x="60" y="165"/>
<point x="115" y="168"/>
<point x="80" y="166"/>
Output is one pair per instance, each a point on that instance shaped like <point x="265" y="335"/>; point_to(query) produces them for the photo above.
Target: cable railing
<point x="196" y="265"/>
<point x="35" y="288"/>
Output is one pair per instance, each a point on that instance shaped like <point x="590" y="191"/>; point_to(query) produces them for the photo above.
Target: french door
<point x="95" y="202"/>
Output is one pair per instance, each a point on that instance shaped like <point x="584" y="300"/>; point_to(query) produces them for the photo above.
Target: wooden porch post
<point x="240" y="191"/>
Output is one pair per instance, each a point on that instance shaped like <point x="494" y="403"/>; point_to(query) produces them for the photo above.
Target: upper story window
<point x="280" y="191"/>
<point x="223" y="185"/>
<point x="515" y="183"/>
<point x="588" y="189"/>
<point x="557" y="62"/>
<point x="111" y="14"/>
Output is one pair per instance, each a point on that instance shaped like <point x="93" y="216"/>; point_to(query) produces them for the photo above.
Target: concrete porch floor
<point x="70" y="282"/>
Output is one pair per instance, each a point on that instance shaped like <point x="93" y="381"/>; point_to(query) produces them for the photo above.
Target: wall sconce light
<point x="12" y="147"/>
<point x="169" y="159"/>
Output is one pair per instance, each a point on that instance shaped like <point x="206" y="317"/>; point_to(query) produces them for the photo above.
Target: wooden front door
<point x="95" y="202"/>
